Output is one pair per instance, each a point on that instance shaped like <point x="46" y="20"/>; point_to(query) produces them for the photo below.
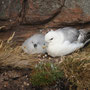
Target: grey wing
<point x="70" y="34"/>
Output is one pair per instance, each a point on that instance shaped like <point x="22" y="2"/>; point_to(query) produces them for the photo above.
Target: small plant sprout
<point x="46" y="74"/>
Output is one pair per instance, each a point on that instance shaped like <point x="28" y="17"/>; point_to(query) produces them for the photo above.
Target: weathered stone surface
<point x="21" y="33"/>
<point x="83" y="4"/>
<point x="43" y="13"/>
<point x="15" y="80"/>
<point x="9" y="13"/>
<point x="73" y="12"/>
<point x="53" y="13"/>
<point x="10" y="9"/>
<point x="45" y="7"/>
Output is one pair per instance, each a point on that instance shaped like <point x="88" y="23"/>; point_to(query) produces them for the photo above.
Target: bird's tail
<point x="84" y="36"/>
<point x="87" y="38"/>
<point x="87" y="41"/>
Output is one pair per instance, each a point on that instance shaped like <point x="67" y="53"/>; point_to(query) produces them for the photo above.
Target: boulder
<point x="42" y="14"/>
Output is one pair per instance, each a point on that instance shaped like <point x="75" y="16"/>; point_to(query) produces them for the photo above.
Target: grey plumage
<point x="34" y="44"/>
<point x="73" y="35"/>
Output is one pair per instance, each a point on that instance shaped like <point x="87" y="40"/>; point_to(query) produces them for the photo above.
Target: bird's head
<point x="51" y="36"/>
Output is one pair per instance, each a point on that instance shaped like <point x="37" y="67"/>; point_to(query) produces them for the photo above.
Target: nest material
<point x="76" y="66"/>
<point x="12" y="55"/>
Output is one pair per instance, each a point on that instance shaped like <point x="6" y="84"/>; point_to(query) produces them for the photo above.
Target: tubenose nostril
<point x="35" y="45"/>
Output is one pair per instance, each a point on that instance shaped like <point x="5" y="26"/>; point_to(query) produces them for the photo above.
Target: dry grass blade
<point x="77" y="68"/>
<point x="1" y="44"/>
<point x="2" y="27"/>
<point x="10" y="38"/>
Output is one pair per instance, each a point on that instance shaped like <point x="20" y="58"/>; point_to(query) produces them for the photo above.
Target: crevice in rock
<point x="22" y="13"/>
<point x="74" y="24"/>
<point x="54" y="15"/>
<point x="41" y="22"/>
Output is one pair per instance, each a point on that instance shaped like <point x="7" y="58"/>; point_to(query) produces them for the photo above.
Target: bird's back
<point x="69" y="33"/>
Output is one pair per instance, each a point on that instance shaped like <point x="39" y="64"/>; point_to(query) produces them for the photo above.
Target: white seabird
<point x="34" y="44"/>
<point x="65" y="41"/>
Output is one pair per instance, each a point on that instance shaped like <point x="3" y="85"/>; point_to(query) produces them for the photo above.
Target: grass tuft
<point x="77" y="69"/>
<point x="46" y="74"/>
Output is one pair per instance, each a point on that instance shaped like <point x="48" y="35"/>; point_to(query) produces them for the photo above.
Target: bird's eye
<point x="51" y="39"/>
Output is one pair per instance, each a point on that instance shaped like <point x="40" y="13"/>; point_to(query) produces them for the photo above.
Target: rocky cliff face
<point x="26" y="17"/>
<point x="44" y="13"/>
